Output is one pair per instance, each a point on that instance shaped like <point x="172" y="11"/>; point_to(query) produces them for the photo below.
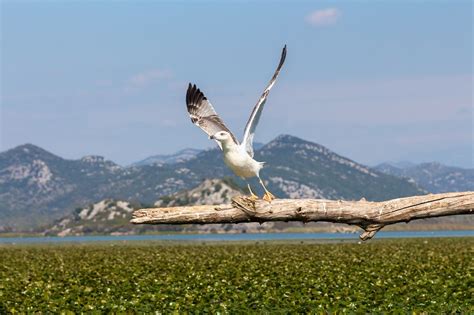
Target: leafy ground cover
<point x="412" y="275"/>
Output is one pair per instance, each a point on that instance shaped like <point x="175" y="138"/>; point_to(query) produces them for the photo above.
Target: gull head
<point x="221" y="136"/>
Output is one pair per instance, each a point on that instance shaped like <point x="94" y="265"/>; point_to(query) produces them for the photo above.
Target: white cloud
<point x="323" y="17"/>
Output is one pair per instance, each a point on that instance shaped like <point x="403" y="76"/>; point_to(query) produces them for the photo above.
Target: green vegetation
<point x="418" y="275"/>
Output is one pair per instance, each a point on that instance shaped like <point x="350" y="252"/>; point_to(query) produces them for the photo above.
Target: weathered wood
<point x="370" y="216"/>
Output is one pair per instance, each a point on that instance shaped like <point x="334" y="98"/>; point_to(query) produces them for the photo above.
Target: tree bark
<point x="370" y="216"/>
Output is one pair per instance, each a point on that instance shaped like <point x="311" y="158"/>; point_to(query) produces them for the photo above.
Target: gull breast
<point x="242" y="164"/>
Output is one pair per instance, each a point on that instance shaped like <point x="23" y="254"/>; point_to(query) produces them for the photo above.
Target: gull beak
<point x="212" y="137"/>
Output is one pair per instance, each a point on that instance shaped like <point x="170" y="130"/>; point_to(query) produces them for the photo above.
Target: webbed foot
<point x="253" y="197"/>
<point x="268" y="196"/>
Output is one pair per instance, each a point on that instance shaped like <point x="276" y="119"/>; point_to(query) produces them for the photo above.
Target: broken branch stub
<point x="370" y="216"/>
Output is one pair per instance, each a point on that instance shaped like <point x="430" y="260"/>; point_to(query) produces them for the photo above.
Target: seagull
<point x="237" y="156"/>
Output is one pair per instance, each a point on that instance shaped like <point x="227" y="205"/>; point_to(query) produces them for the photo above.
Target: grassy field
<point x="432" y="275"/>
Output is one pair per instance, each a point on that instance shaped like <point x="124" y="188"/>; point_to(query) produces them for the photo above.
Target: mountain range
<point x="38" y="187"/>
<point x="433" y="176"/>
<point x="113" y="217"/>
<point x="180" y="156"/>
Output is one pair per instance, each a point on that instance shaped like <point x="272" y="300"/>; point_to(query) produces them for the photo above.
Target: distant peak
<point x="437" y="164"/>
<point x="292" y="141"/>
<point x="188" y="150"/>
<point x="28" y="147"/>
<point x="180" y="156"/>
<point x="288" y="138"/>
<point x="92" y="159"/>
<point x="398" y="164"/>
<point x="289" y="142"/>
<point x="28" y="150"/>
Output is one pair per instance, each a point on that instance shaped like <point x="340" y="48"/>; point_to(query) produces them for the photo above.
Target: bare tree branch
<point x="370" y="216"/>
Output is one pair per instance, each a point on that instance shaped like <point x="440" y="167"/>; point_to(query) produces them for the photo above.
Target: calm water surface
<point x="232" y="237"/>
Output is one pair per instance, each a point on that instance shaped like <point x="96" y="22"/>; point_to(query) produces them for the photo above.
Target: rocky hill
<point x="35" y="184"/>
<point x="112" y="216"/>
<point x="299" y="168"/>
<point x="37" y="187"/>
<point x="209" y="192"/>
<point x="104" y="217"/>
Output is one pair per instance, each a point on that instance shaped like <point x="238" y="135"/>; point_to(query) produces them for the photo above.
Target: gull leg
<point x="252" y="195"/>
<point x="268" y="196"/>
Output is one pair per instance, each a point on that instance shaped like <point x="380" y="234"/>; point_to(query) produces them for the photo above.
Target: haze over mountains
<point x="433" y="176"/>
<point x="180" y="156"/>
<point x="37" y="187"/>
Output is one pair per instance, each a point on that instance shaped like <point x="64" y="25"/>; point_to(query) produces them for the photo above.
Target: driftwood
<point x="370" y="216"/>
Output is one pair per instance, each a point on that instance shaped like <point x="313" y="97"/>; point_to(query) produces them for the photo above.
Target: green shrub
<point x="388" y="276"/>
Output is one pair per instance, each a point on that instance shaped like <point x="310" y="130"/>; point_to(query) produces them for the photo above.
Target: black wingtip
<point x="194" y="95"/>
<point x="283" y="57"/>
<point x="188" y="92"/>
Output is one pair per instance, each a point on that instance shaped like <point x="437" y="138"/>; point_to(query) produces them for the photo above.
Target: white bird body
<point x="237" y="156"/>
<point x="239" y="161"/>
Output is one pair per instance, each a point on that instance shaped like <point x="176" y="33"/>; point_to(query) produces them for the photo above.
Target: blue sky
<point x="374" y="81"/>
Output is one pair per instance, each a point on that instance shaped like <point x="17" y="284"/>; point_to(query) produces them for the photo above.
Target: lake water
<point x="232" y="237"/>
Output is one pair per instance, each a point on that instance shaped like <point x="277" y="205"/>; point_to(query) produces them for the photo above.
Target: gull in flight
<point x="237" y="156"/>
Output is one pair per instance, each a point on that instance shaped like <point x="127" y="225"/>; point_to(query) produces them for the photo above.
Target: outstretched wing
<point x="203" y="114"/>
<point x="249" y="132"/>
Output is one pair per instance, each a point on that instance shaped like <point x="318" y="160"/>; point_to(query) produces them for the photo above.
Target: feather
<point x="252" y="123"/>
<point x="203" y="114"/>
